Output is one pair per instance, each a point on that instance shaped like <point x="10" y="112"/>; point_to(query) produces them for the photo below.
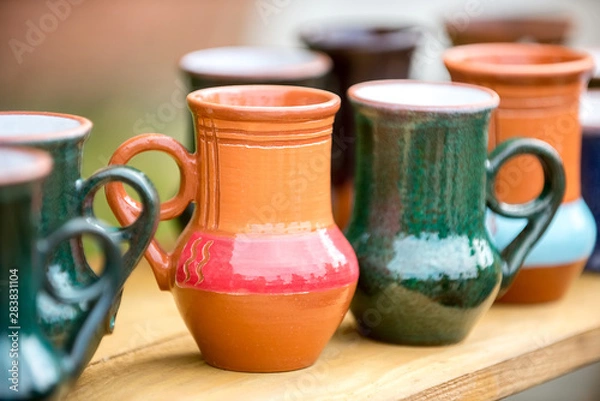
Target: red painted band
<point x="290" y="263"/>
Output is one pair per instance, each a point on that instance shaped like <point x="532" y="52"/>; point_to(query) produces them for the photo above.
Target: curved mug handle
<point x="538" y="212"/>
<point x="125" y="208"/>
<point x="101" y="292"/>
<point x="138" y="233"/>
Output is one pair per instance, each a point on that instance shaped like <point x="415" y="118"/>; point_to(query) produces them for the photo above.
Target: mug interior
<point x="424" y="95"/>
<point x="505" y="60"/>
<point x="22" y="126"/>
<point x="250" y="61"/>
<point x="19" y="165"/>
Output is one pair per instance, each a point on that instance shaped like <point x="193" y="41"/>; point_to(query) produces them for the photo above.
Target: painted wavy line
<point x="191" y="259"/>
<point x="204" y="261"/>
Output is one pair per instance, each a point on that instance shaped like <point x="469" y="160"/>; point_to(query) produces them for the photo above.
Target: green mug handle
<point x="138" y="234"/>
<point x="538" y="212"/>
<point x="101" y="293"/>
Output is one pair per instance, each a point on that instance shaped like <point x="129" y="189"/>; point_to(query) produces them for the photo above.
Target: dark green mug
<point x="32" y="367"/>
<point x="67" y="195"/>
<point x="428" y="270"/>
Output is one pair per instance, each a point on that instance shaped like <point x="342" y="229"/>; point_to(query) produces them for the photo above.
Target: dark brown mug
<point x="360" y="53"/>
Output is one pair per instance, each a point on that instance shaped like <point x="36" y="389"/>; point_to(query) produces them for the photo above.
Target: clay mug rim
<point x="17" y="131"/>
<point x="269" y="63"/>
<point x="532" y="25"/>
<point x="594" y="51"/>
<point x="20" y="165"/>
<point x="486" y="59"/>
<point x="359" y="36"/>
<point x="247" y="103"/>
<point x="359" y="94"/>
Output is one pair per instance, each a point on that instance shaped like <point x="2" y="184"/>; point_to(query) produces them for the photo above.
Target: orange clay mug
<point x="539" y="88"/>
<point x="261" y="275"/>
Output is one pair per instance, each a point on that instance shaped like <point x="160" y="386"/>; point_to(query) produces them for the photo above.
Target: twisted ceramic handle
<point x="538" y="212"/>
<point x="102" y="291"/>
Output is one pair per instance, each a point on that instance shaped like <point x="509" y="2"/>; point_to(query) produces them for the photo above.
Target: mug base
<point x="262" y="333"/>
<point x="400" y="316"/>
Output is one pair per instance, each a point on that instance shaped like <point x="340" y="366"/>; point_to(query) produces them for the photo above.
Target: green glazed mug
<point x="33" y="368"/>
<point x="67" y="195"/>
<point x="428" y="270"/>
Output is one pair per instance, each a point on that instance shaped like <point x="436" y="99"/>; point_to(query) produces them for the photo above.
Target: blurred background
<point x="116" y="64"/>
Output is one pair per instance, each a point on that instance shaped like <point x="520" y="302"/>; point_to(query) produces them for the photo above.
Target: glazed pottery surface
<point x="360" y="53"/>
<point x="246" y="65"/>
<point x="66" y="195"/>
<point x="590" y="165"/>
<point x="550" y="29"/>
<point x="540" y="88"/>
<point x="261" y="275"/>
<point x="428" y="270"/>
<point x="32" y="367"/>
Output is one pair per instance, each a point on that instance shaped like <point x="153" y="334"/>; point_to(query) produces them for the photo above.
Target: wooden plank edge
<point x="520" y="373"/>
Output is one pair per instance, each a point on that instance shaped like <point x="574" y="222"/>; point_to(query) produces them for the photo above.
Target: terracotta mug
<point x="247" y="65"/>
<point x="539" y="88"/>
<point x="261" y="275"/>
<point x="550" y="29"/>
<point x="428" y="270"/>
<point x="360" y="52"/>
<point x="32" y="367"/>
<point x="67" y="195"/>
<point x="590" y="165"/>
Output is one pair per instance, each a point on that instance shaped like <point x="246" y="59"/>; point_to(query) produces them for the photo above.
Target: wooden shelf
<point x="151" y="356"/>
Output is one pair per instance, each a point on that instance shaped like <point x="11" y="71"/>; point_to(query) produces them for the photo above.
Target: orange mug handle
<point x="126" y="209"/>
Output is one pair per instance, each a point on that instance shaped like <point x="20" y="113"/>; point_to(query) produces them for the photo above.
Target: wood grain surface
<point x="150" y="356"/>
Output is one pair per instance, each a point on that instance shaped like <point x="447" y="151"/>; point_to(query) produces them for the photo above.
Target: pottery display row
<point x="240" y="273"/>
<point x="459" y="193"/>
